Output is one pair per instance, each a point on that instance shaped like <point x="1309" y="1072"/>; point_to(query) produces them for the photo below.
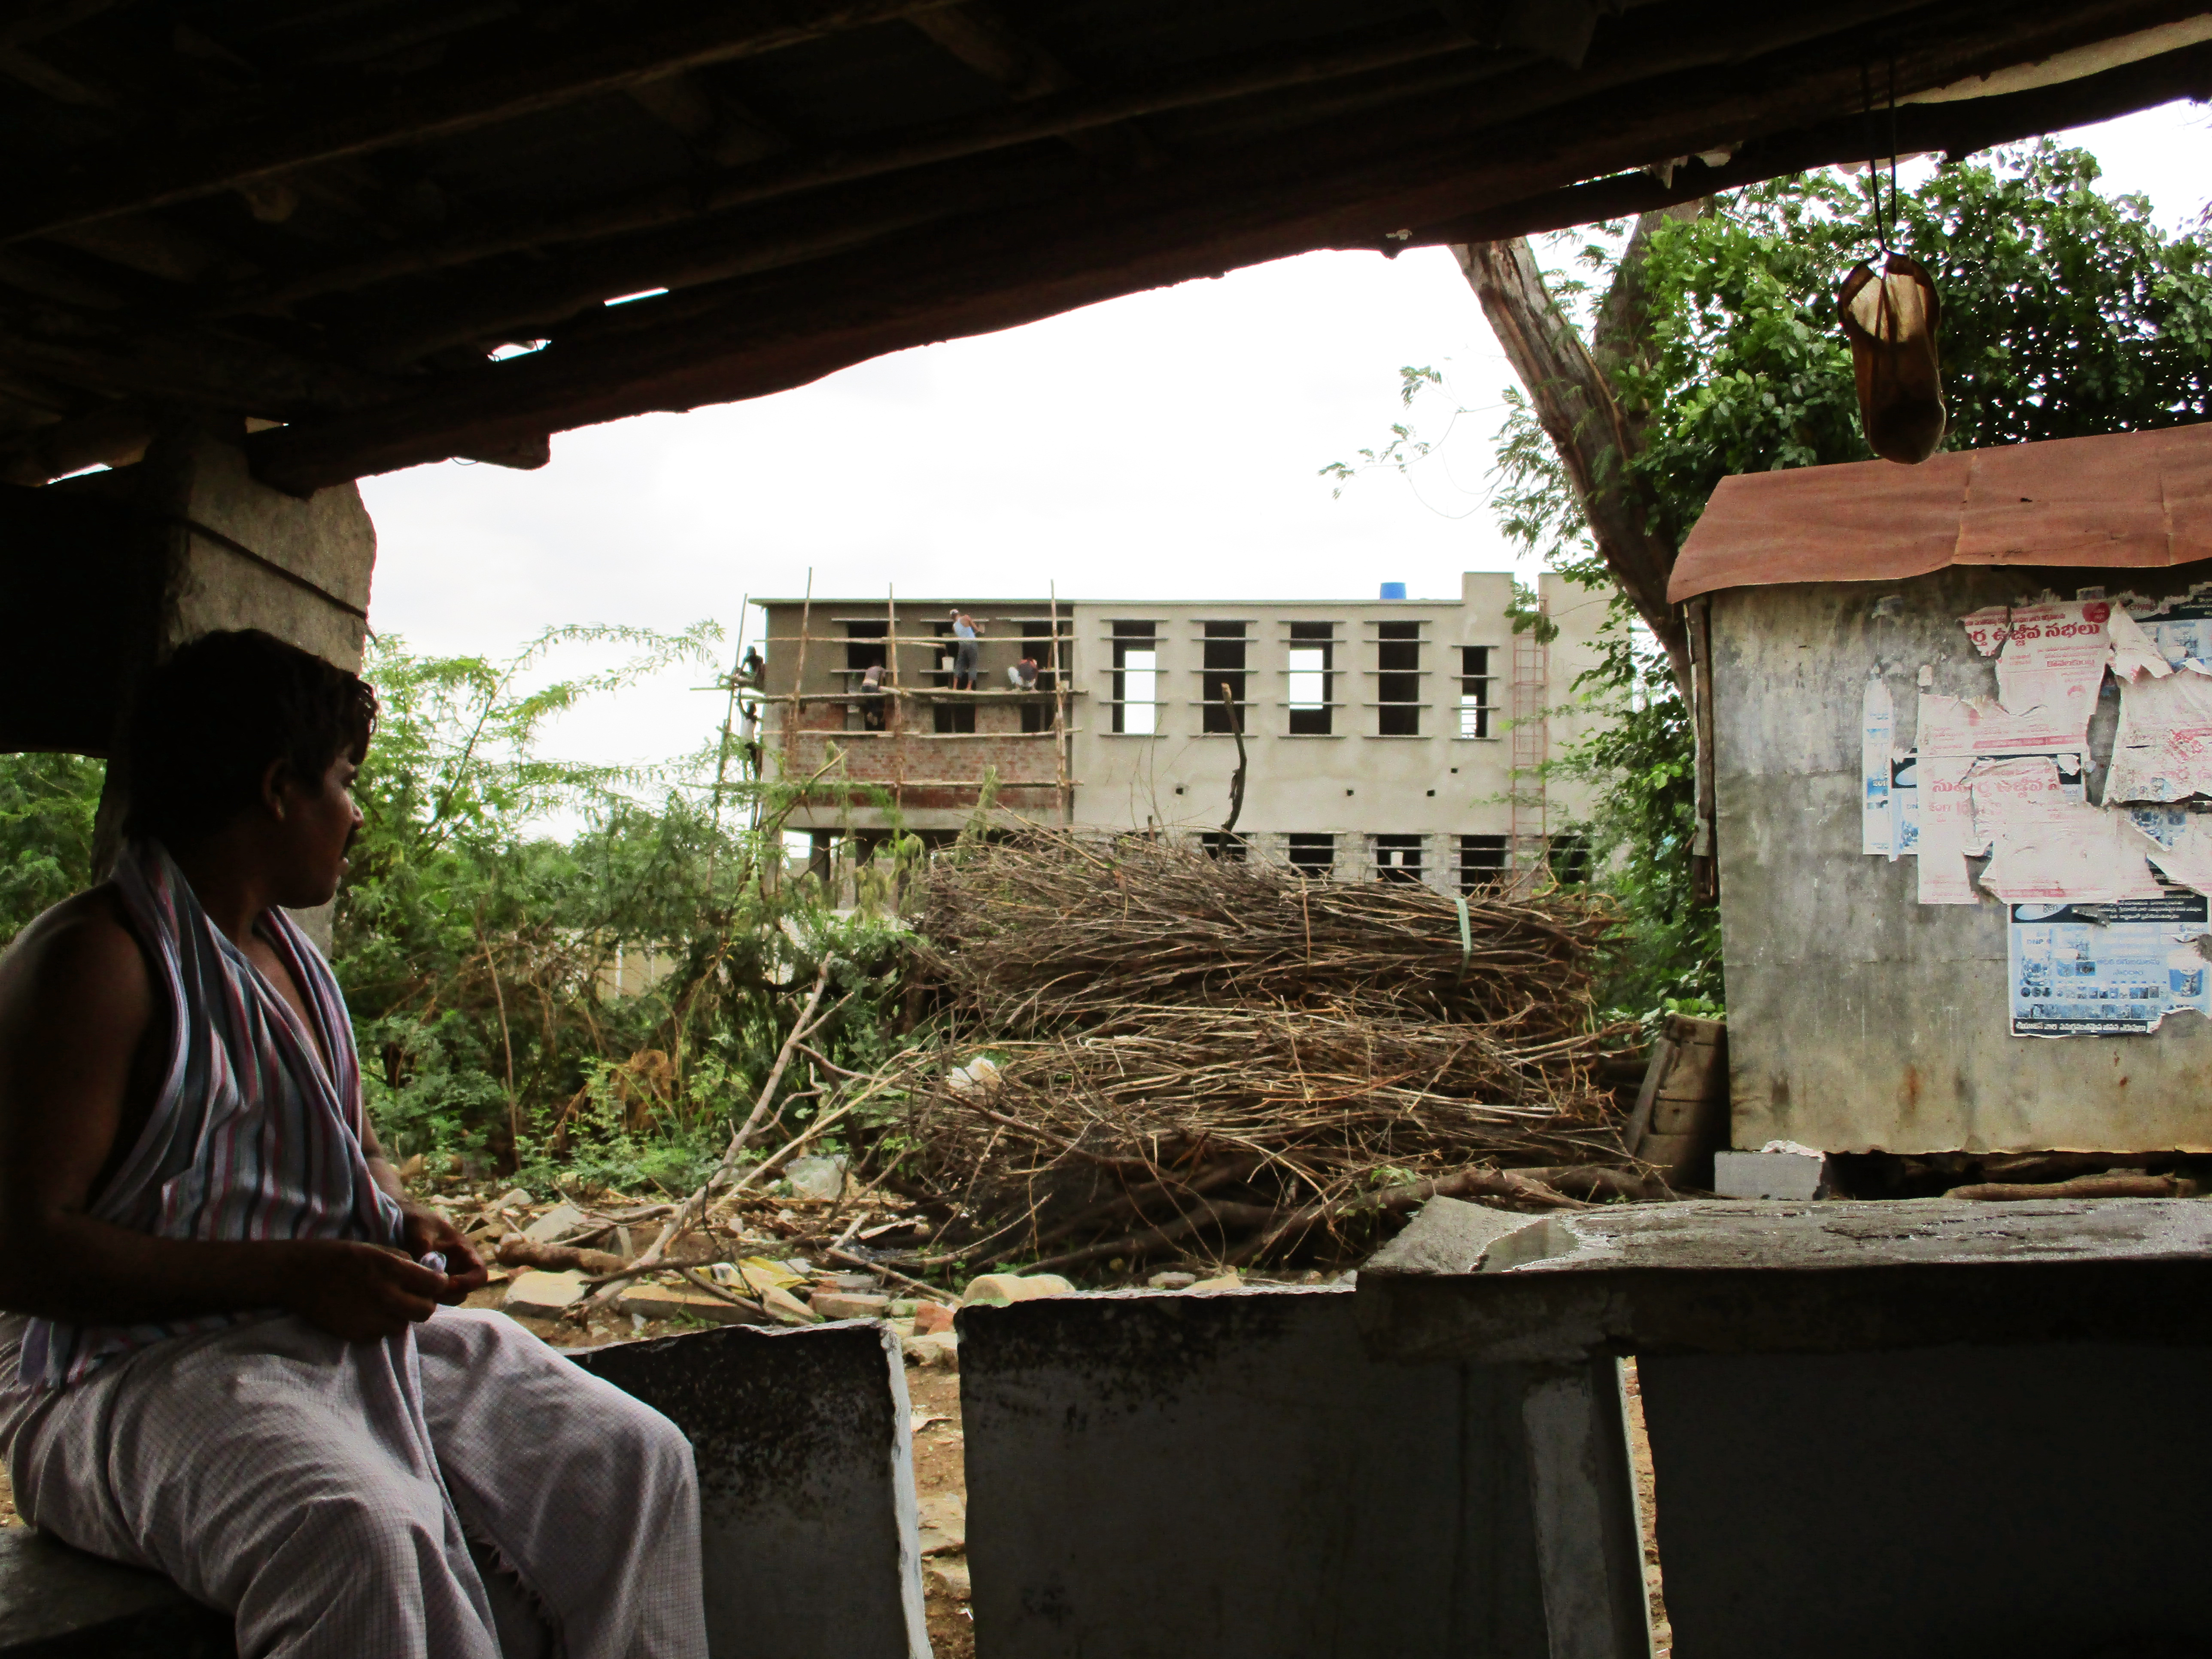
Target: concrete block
<point x="1158" y="1474"/>
<point x="1957" y="1500"/>
<point x="809" y="1533"/>
<point x="57" y="1602"/>
<point x="847" y="1304"/>
<point x="542" y="1295"/>
<point x="1770" y="1174"/>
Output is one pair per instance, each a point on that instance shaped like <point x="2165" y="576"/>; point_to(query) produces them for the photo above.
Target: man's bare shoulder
<point x="80" y="961"/>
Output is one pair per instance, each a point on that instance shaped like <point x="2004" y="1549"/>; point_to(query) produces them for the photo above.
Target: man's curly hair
<point x="205" y="724"/>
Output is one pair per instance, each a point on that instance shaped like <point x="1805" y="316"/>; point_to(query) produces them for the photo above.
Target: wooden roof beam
<point x="558" y="297"/>
<point x="769" y="336"/>
<point x="323" y="123"/>
<point x="1957" y="128"/>
<point x="791" y="175"/>
<point x="984" y="41"/>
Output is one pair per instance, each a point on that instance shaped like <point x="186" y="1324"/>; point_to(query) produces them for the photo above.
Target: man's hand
<point x="362" y="1292"/>
<point x="428" y="1230"/>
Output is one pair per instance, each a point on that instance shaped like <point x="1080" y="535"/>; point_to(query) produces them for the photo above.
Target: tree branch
<point x="1576" y="403"/>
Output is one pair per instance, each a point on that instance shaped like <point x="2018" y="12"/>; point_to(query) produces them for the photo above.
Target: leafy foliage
<point x="2066" y="312"/>
<point x="604" y="1002"/>
<point x="47" y="803"/>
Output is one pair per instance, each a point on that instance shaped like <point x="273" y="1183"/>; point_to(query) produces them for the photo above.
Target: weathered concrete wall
<point x="1859" y="1018"/>
<point x="1957" y="1502"/>
<point x="1156" y="1476"/>
<point x="805" y="1451"/>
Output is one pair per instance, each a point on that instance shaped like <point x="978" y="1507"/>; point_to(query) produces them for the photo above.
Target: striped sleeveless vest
<point x="251" y="1135"/>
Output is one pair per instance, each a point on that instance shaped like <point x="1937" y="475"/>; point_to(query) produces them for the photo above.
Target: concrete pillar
<point x="102" y="576"/>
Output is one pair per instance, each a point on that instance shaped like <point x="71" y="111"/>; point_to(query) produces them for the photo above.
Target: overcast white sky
<point x="1167" y="445"/>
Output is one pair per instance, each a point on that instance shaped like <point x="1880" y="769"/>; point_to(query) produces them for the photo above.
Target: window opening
<point x="1398" y="679"/>
<point x="1398" y="858"/>
<point x="1312" y="663"/>
<point x="1482" y="862"/>
<point x="1223" y="845"/>
<point x="1039" y="645"/>
<point x="1223" y="663"/>
<point x="1313" y="855"/>
<point x="1478" y="693"/>
<point x="1570" y="859"/>
<point x="1136" y="678"/>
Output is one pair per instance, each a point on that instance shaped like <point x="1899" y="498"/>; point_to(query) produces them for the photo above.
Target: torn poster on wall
<point x="2004" y="780"/>
<point x="2108" y="969"/>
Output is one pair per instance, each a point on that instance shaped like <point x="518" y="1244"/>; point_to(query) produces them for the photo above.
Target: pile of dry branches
<point x="1227" y="1062"/>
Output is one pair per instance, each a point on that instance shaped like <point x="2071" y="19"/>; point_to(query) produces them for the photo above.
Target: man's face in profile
<point x="316" y="823"/>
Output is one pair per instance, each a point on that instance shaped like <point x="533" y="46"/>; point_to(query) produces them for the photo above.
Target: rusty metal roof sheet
<point x="2129" y="499"/>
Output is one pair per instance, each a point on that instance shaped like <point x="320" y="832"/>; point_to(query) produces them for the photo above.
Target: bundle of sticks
<point x="1151" y="1052"/>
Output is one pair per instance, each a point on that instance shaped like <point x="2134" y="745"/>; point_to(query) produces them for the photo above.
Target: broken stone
<point x="563" y="1221"/>
<point x="842" y="1304"/>
<point x="1172" y="1281"/>
<point x="996" y="1289"/>
<point x="543" y="1295"/>
<point x="788" y="1308"/>
<point x="944" y="1524"/>
<point x="903" y="1307"/>
<point x="859" y="1284"/>
<point x="930" y="1317"/>
<point x="1231" y="1280"/>
<point x="512" y="1198"/>
<point x="948" y="1577"/>
<point x="939" y="1351"/>
<point x="667" y="1301"/>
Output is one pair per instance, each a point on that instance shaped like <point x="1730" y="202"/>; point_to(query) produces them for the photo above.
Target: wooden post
<point x="797" y="678"/>
<point x="1060" y="713"/>
<point x="895" y="718"/>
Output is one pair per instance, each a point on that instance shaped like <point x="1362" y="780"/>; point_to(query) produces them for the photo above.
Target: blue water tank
<point x="1393" y="590"/>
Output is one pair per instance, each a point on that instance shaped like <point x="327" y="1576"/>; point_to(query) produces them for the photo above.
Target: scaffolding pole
<point x="1531" y="692"/>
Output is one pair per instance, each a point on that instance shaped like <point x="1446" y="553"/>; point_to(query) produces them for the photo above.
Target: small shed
<point x="1956" y="726"/>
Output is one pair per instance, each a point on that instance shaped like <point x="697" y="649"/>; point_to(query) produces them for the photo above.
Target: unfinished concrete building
<point x="1394" y="739"/>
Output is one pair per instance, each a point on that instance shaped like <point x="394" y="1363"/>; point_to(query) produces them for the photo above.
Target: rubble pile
<point x="1151" y="1052"/>
<point x="755" y="1259"/>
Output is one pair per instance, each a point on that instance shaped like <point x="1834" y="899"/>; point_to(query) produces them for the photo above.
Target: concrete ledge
<point x="1156" y="1475"/>
<point x="805" y="1450"/>
<point x="803" y="1447"/>
<point x="59" y="1603"/>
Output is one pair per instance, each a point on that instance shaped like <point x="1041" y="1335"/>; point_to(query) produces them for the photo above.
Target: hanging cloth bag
<point x="1891" y="321"/>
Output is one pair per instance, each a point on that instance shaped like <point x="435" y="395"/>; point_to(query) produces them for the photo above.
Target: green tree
<point x="1712" y="348"/>
<point x="47" y="803"/>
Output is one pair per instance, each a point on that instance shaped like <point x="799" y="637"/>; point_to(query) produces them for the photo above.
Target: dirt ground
<point x="1640" y="1454"/>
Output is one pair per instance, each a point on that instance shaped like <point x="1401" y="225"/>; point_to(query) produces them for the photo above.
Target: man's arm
<point x="428" y="1228"/>
<point x="76" y="1010"/>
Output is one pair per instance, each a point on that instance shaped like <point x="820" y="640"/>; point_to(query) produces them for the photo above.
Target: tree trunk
<point x="1575" y="402"/>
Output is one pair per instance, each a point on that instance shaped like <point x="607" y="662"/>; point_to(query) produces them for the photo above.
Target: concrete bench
<point x="806" y="1471"/>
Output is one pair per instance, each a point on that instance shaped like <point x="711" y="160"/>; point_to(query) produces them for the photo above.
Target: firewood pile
<point x="1151" y="1052"/>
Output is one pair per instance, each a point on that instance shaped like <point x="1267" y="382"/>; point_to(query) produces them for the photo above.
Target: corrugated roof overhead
<point x="2130" y="499"/>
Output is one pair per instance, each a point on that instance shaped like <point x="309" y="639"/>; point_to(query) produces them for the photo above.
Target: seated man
<point x="232" y="1353"/>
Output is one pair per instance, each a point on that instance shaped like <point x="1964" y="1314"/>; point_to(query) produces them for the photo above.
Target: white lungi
<point x="328" y="1494"/>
